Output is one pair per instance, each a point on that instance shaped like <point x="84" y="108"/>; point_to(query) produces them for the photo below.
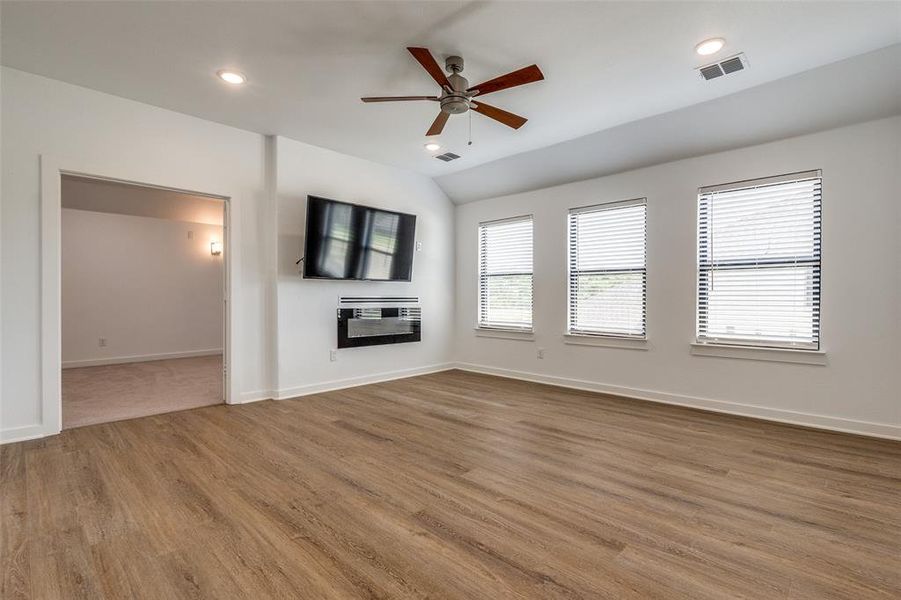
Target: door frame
<point x="52" y="170"/>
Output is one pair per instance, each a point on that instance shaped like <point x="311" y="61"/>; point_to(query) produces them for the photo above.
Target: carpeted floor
<point x="117" y="392"/>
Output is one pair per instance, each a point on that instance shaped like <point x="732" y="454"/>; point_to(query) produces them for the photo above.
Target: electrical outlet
<point x="541" y="353"/>
<point x="101" y="342"/>
<point x="190" y="235"/>
<point x="418" y="246"/>
<point x="333" y="355"/>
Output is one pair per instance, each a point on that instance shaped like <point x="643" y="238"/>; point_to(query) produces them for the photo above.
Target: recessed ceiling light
<point x="432" y="147"/>
<point x="232" y="77"/>
<point x="711" y="46"/>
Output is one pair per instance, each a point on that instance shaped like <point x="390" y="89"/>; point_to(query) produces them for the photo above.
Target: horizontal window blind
<point x="759" y="262"/>
<point x="505" y="274"/>
<point x="607" y="270"/>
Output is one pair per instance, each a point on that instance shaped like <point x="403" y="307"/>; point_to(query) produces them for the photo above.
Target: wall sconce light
<point x="215" y="248"/>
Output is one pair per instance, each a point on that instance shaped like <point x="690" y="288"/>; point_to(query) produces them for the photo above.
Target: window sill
<point x="787" y="355"/>
<point x="606" y="341"/>
<point x="526" y="335"/>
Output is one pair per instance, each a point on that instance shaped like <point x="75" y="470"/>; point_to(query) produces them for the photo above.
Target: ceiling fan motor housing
<point x="455" y="100"/>
<point x="454" y="105"/>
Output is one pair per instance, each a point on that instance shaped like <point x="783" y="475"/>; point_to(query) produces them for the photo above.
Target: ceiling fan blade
<point x="438" y="124"/>
<point x="507" y="118"/>
<point x="521" y="77"/>
<point x="397" y="98"/>
<point x="427" y="61"/>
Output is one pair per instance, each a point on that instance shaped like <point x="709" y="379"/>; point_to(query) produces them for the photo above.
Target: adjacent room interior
<point x="458" y="300"/>
<point x="142" y="301"/>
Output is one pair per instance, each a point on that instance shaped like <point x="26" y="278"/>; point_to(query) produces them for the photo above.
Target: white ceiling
<point x="309" y="62"/>
<point x="862" y="88"/>
<point x="98" y="195"/>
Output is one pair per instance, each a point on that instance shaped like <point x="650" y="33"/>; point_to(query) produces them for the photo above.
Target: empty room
<point x="459" y="300"/>
<point x="142" y="301"/>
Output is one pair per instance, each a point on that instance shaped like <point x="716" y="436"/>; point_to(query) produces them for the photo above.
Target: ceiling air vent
<point x="730" y="65"/>
<point x="448" y="156"/>
<point x="711" y="71"/>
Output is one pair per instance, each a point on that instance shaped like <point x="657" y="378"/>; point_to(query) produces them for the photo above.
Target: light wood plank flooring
<point x="452" y="485"/>
<point x="117" y="392"/>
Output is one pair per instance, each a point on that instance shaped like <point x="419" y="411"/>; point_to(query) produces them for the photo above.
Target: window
<point x="607" y="273"/>
<point x="505" y="274"/>
<point x="759" y="262"/>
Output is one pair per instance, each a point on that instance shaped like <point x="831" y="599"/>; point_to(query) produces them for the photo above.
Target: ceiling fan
<point x="457" y="95"/>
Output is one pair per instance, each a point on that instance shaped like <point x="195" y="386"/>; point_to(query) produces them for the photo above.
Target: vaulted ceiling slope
<point x="308" y="63"/>
<point x="860" y="89"/>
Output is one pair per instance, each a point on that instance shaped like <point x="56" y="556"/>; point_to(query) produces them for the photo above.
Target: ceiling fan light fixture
<point x="433" y="147"/>
<point x="232" y="77"/>
<point x="711" y="46"/>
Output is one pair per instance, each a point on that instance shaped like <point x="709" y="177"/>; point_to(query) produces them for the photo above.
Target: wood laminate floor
<point x="117" y="392"/>
<point x="452" y="485"/>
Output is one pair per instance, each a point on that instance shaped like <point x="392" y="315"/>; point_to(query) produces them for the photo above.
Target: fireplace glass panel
<point x="376" y="325"/>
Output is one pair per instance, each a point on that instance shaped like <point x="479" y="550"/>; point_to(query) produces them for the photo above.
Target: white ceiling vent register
<point x="733" y="64"/>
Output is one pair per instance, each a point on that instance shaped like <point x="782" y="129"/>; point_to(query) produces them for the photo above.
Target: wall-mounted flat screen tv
<point x="350" y="241"/>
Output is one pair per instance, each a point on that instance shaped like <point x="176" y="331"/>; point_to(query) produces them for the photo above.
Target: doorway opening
<point x="144" y="300"/>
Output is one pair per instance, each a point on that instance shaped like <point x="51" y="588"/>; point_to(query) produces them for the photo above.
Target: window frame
<point x="575" y="334"/>
<point x="500" y="329"/>
<point x="743" y="348"/>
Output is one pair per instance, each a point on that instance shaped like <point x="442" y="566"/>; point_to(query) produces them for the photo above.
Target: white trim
<point x="867" y="428"/>
<point x="22" y="434"/>
<point x="121" y="360"/>
<point x="51" y="278"/>
<point x="525" y="335"/>
<point x="270" y="239"/>
<point x="339" y="384"/>
<point x="606" y="341"/>
<point x="248" y="397"/>
<point x="786" y="355"/>
<point x="51" y="214"/>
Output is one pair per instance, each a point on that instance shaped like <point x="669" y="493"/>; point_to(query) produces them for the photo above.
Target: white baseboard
<point x="33" y="432"/>
<point x="248" y="397"/>
<point x="30" y="432"/>
<point x="880" y="430"/>
<point x="338" y="384"/>
<point x="24" y="433"/>
<point x="121" y="360"/>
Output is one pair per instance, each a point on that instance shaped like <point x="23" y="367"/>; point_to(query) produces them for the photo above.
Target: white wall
<point x="142" y="284"/>
<point x="861" y="319"/>
<point x="279" y="352"/>
<point x="307" y="308"/>
<point x="131" y="141"/>
<point x="282" y="353"/>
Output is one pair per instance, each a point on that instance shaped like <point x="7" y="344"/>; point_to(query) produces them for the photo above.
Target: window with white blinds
<point x="759" y="262"/>
<point x="505" y="274"/>
<point x="607" y="271"/>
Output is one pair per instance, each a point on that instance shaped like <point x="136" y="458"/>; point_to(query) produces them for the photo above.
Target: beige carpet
<point x="117" y="392"/>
